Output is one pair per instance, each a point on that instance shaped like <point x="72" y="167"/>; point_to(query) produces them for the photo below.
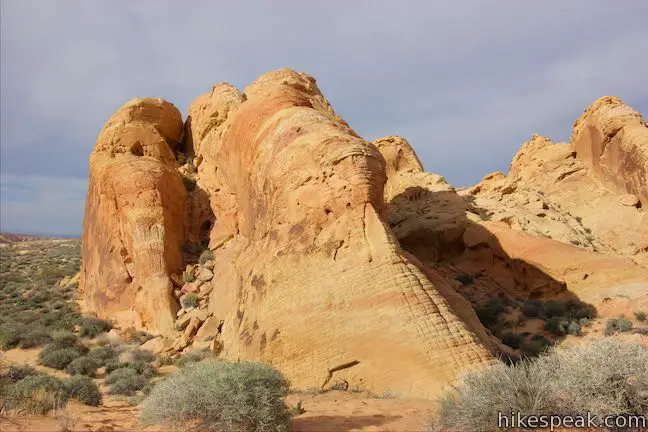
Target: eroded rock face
<point x="134" y="220"/>
<point x="612" y="140"/>
<point x="310" y="278"/>
<point x="336" y="260"/>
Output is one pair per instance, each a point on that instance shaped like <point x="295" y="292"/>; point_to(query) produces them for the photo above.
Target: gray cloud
<point x="466" y="82"/>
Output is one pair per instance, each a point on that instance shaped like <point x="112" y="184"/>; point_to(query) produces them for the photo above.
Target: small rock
<point x="508" y="189"/>
<point x="206" y="289"/>
<point x="216" y="346"/>
<point x="113" y="337"/>
<point x="204" y="274"/>
<point x="180" y="343"/>
<point x="181" y="312"/>
<point x="209" y="328"/>
<point x="629" y="200"/>
<point x="177" y="293"/>
<point x="192" y="327"/>
<point x="183" y="321"/>
<point x="190" y="287"/>
<point x="157" y="345"/>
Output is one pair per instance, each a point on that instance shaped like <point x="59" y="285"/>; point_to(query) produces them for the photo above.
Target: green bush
<point x="241" y="396"/>
<point x="556" y="325"/>
<point x="194" y="357"/>
<point x="103" y="354"/>
<point x="140" y="337"/>
<point x="532" y="308"/>
<point x="536" y="346"/>
<point x="142" y="368"/>
<point x="606" y="377"/>
<point x="617" y="325"/>
<point x="10" y="334"/>
<point x="92" y="327"/>
<point x="125" y="381"/>
<point x="83" y="366"/>
<point x="188" y="276"/>
<point x="489" y="311"/>
<point x="18" y="372"/>
<point x="142" y="355"/>
<point x="205" y="256"/>
<point x="555" y="308"/>
<point x="83" y="389"/>
<point x="59" y="358"/>
<point x="189" y="301"/>
<point x="640" y="315"/>
<point x="574" y="328"/>
<point x="513" y="340"/>
<point x="35" y="337"/>
<point x="465" y="279"/>
<point x="36" y="394"/>
<point x="577" y="310"/>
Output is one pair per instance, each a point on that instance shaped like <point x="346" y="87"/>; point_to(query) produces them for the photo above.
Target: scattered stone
<point x="206" y="289"/>
<point x="204" y="274"/>
<point x="216" y="346"/>
<point x="157" y="345"/>
<point x="629" y="200"/>
<point x="192" y="327"/>
<point x="209" y="328"/>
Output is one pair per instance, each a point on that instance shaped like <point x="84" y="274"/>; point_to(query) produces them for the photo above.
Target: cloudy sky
<point x="465" y="81"/>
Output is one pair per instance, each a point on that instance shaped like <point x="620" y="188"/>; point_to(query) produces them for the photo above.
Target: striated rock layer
<point x="339" y="261"/>
<point x="307" y="276"/>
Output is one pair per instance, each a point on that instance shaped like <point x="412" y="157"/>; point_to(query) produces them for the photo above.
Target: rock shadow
<point x="525" y="308"/>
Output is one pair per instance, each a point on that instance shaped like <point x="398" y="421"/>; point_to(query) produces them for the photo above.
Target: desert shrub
<point x="84" y="389"/>
<point x="532" y="308"/>
<point x="205" y="256"/>
<point x="64" y="339"/>
<point x="465" y="279"/>
<point x="126" y="383"/>
<point x="10" y="334"/>
<point x="189" y="183"/>
<point x="188" y="276"/>
<point x="555" y="308"/>
<point x="584" y="322"/>
<point x="640" y="315"/>
<point x="194" y="357"/>
<point x="241" y="396"/>
<point x="574" y="328"/>
<point x="556" y="325"/>
<point x="142" y="368"/>
<point x="513" y="340"/>
<point x="18" y="372"/>
<point x="142" y="355"/>
<point x="606" y="377"/>
<point x="489" y="311"/>
<point x="164" y="361"/>
<point x="59" y="358"/>
<point x="189" y="301"/>
<point x="83" y="366"/>
<point x="113" y="364"/>
<point x="103" y="354"/>
<point x="140" y="337"/>
<point x="128" y="386"/>
<point x="35" y="337"/>
<point x="536" y="346"/>
<point x="576" y="310"/>
<point x="617" y="325"/>
<point x="92" y="327"/>
<point x="36" y="394"/>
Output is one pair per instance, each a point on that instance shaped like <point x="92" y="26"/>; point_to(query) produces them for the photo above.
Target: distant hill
<point x="18" y="237"/>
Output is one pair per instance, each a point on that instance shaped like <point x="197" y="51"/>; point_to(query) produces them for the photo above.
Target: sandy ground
<point x="330" y="411"/>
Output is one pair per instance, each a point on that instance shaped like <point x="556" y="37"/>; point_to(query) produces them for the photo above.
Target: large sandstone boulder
<point x="612" y="139"/>
<point x="311" y="279"/>
<point x="134" y="220"/>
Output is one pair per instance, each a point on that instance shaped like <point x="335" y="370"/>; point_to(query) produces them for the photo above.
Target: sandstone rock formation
<point x="135" y="216"/>
<point x="340" y="261"/>
<point x="306" y="276"/>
